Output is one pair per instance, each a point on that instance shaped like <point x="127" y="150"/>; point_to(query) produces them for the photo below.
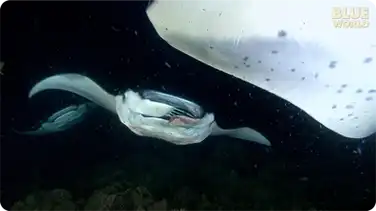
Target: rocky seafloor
<point x="272" y="189"/>
<point x="221" y="176"/>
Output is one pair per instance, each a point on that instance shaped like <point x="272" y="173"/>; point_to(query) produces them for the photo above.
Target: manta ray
<point x="150" y="113"/>
<point x="318" y="55"/>
<point x="62" y="119"/>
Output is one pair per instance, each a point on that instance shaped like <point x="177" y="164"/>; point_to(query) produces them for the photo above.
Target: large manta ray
<point x="291" y="48"/>
<point x="147" y="113"/>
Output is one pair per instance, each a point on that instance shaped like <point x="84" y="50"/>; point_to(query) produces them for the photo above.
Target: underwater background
<point x="101" y="165"/>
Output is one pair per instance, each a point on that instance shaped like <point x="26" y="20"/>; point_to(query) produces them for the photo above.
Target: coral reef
<point x="166" y="181"/>
<point x="138" y="198"/>
<point x="58" y="199"/>
<point x="108" y="198"/>
<point x="264" y="192"/>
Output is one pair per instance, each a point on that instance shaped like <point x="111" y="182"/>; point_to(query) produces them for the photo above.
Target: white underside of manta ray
<point x="291" y="48"/>
<point x="150" y="113"/>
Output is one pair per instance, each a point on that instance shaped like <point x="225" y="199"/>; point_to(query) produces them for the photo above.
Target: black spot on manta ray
<point x="303" y="78"/>
<point x="349" y="106"/>
<point x="292" y="70"/>
<point x="369" y="98"/>
<point x="359" y="91"/>
<point x="282" y="33"/>
<point x="333" y="64"/>
<point x="368" y="60"/>
<point x="274" y="52"/>
<point x="334" y="106"/>
<point x="267" y="79"/>
<point x="372" y="91"/>
<point x="246" y="58"/>
<point x="344" y="85"/>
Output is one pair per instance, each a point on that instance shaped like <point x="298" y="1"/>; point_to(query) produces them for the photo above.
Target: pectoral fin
<point x="244" y="133"/>
<point x="78" y="84"/>
<point x="299" y="56"/>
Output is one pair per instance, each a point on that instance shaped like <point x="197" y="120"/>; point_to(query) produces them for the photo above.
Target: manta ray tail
<point x="244" y="133"/>
<point x="78" y="84"/>
<point x="32" y="132"/>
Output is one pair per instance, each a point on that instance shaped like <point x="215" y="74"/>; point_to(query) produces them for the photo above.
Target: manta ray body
<point x="318" y="55"/>
<point x="62" y="119"/>
<point x="150" y="113"/>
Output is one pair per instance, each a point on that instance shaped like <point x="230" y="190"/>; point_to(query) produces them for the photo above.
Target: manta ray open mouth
<point x="182" y="107"/>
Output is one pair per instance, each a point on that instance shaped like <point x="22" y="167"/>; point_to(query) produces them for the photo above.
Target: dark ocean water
<point x="308" y="166"/>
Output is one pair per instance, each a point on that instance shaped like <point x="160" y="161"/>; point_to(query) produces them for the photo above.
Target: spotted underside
<point x="290" y="48"/>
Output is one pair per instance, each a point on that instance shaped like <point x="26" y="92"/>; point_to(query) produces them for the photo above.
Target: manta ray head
<point x="161" y="120"/>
